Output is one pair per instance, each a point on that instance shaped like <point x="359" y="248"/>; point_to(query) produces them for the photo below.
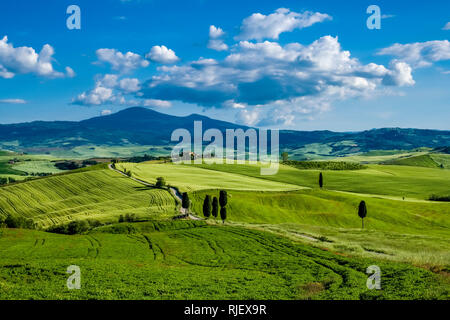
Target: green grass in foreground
<point x="88" y="194"/>
<point x="206" y="262"/>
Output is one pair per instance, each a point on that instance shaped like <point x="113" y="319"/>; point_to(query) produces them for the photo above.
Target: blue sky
<point x="301" y="65"/>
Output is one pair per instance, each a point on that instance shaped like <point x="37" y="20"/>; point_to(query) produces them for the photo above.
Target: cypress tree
<point x="215" y="207"/>
<point x="223" y="214"/>
<point x="207" y="207"/>
<point x="223" y="198"/>
<point x="362" y="211"/>
<point x="185" y="200"/>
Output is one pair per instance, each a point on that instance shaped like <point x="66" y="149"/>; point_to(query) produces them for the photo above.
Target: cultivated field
<point x="203" y="262"/>
<point x="95" y="194"/>
<point x="190" y="178"/>
<point x="284" y="238"/>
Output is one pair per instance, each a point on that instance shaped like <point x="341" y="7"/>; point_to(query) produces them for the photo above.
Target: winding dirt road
<point x="173" y="190"/>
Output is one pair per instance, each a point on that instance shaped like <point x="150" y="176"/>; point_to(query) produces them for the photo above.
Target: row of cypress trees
<point x="211" y="208"/>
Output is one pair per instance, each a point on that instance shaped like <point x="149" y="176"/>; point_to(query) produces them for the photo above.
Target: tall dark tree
<point x="223" y="198"/>
<point x="215" y="207"/>
<point x="207" y="206"/>
<point x="185" y="200"/>
<point x="223" y="214"/>
<point x="362" y="211"/>
<point x="285" y="156"/>
<point x="320" y="180"/>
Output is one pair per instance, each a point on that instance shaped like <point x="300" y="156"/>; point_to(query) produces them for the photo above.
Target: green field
<point x="396" y="230"/>
<point x="98" y="194"/>
<point x="204" y="262"/>
<point x="397" y="181"/>
<point x="39" y="166"/>
<point x="284" y="237"/>
<point x="190" y="178"/>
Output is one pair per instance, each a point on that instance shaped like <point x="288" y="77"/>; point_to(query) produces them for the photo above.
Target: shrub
<point x="435" y="197"/>
<point x="77" y="227"/>
<point x="160" y="182"/>
<point x="325" y="165"/>
<point x="18" y="222"/>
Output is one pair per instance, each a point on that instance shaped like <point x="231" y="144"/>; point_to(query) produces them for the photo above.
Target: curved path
<point x="173" y="191"/>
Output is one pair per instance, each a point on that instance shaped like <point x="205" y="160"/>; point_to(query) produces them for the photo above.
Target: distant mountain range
<point x="141" y="126"/>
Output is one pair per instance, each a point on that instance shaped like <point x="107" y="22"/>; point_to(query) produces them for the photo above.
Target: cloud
<point x="121" y="62"/>
<point x="12" y="101"/>
<point x="155" y="103"/>
<point x="69" y="72"/>
<point x="248" y="117"/>
<point x="106" y="112"/>
<point x="301" y="80"/>
<point x="130" y="85"/>
<point x="399" y="75"/>
<point x="162" y="54"/>
<point x="25" y="60"/>
<point x="447" y="26"/>
<point x="103" y="93"/>
<point x="259" y="26"/>
<point x="111" y="89"/>
<point x="419" y="54"/>
<point x="215" y="43"/>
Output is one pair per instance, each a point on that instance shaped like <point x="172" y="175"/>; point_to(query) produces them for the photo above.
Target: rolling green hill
<point x="425" y="160"/>
<point x="415" y="232"/>
<point x="189" y="178"/>
<point x="390" y="181"/>
<point x="95" y="194"/>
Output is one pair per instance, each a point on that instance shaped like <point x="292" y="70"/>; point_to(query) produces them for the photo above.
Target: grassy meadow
<point x="284" y="238"/>
<point x="386" y="180"/>
<point x="194" y="262"/>
<point x="190" y="178"/>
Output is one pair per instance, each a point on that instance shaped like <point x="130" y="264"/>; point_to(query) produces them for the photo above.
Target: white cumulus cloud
<point x="447" y="26"/>
<point x="293" y="80"/>
<point x="120" y="61"/>
<point x="419" y="54"/>
<point x="23" y="60"/>
<point x="215" y="43"/>
<point x="162" y="54"/>
<point x="259" y="26"/>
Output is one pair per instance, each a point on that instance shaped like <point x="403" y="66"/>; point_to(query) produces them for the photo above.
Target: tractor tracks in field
<point x="95" y="246"/>
<point x="334" y="265"/>
<point x="39" y="242"/>
<point x="158" y="253"/>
